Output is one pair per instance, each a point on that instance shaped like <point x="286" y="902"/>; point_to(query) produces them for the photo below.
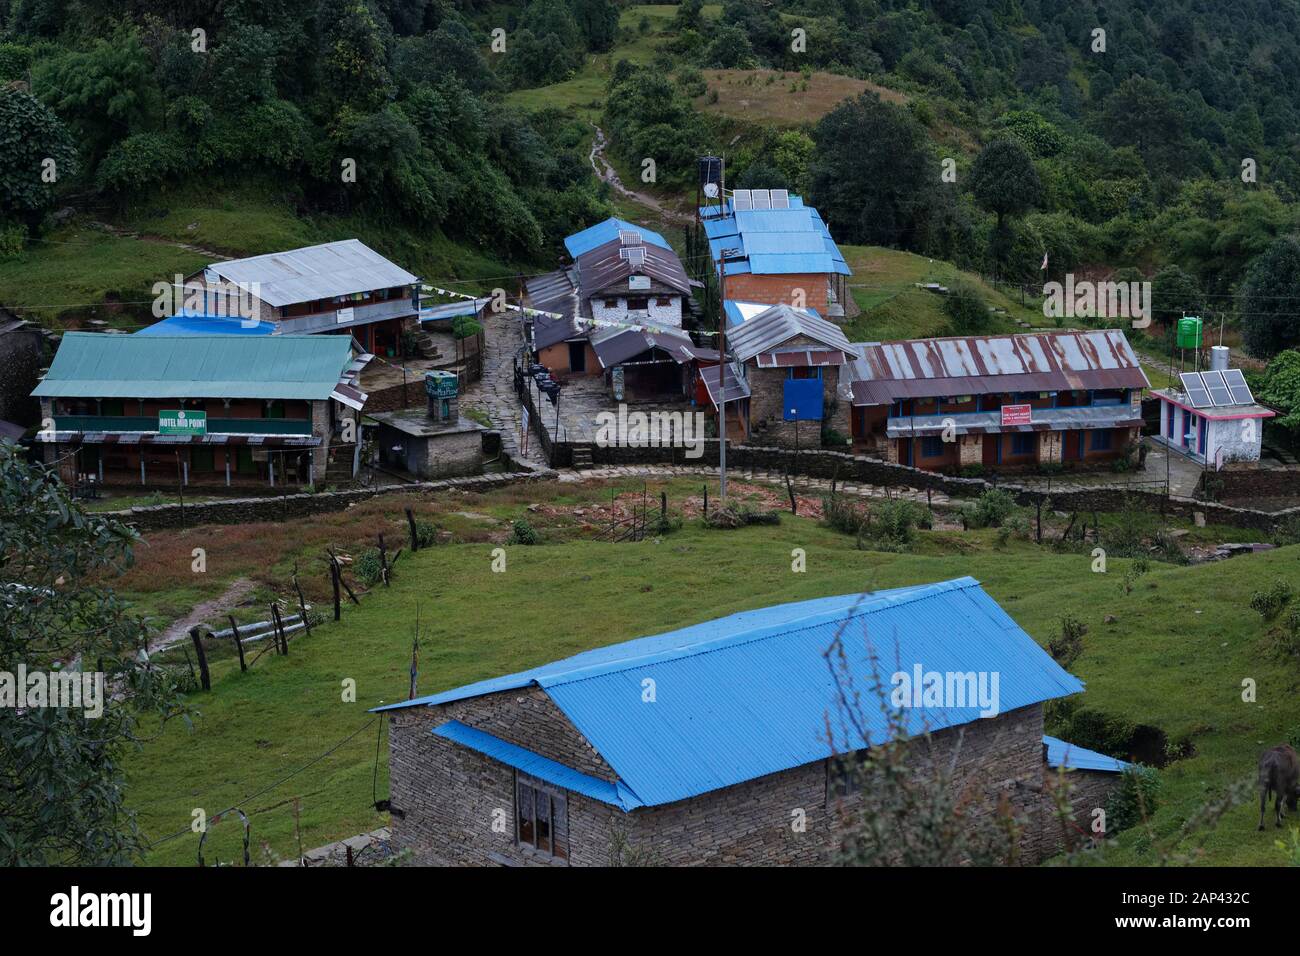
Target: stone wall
<point x="1244" y="482"/>
<point x="457" y="806"/>
<point x="273" y="508"/>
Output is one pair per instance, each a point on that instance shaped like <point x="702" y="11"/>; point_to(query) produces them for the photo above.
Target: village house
<point x="617" y="312"/>
<point x="1212" y="417"/>
<point x="995" y="402"/>
<point x="784" y="368"/>
<point x="777" y="251"/>
<point x="696" y="746"/>
<point x="335" y="287"/>
<point x="211" y="411"/>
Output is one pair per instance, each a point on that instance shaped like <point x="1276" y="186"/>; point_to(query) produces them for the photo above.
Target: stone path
<point x="494" y="393"/>
<point x="179" y="631"/>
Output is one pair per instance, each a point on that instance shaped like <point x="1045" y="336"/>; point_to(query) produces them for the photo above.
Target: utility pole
<point x="723" y="257"/>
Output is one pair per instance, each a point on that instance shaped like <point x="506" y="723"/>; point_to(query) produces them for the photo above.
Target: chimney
<point x="442" y="390"/>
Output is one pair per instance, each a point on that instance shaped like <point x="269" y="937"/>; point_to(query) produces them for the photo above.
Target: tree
<point x="1173" y="294"/>
<point x="61" y="783"/>
<point x="967" y="313"/>
<point x="355" y="55"/>
<point x="1281" y="388"/>
<point x="30" y="134"/>
<point x="598" y="21"/>
<point x="1269" y="319"/>
<point x="1003" y="180"/>
<point x="871" y="172"/>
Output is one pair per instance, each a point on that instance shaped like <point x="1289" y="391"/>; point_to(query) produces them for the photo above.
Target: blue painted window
<point x="1101" y="439"/>
<point x="1024" y="443"/>
<point x="931" y="447"/>
<point x="1114" y="396"/>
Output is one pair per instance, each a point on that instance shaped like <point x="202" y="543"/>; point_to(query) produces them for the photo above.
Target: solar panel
<point x="762" y="199"/>
<point x="1217" y="387"/>
<point x="635" y="255"/>
<point x="742" y="199"/>
<point x="1195" y="390"/>
<point x="628" y="238"/>
<point x="1237" y="386"/>
<point x="780" y="199"/>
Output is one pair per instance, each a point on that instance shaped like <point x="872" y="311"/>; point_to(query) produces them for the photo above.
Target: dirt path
<point x="605" y="172"/>
<point x="178" y="631"/>
<point x="161" y="240"/>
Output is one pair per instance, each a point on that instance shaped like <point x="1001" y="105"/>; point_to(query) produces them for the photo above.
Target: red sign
<point x="1016" y="415"/>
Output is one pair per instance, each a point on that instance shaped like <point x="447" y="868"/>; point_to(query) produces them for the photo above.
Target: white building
<point x="1212" y="418"/>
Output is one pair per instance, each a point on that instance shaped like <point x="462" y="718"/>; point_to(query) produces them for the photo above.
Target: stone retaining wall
<point x="268" y="508"/>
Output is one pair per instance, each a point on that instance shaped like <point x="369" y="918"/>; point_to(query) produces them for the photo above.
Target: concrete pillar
<point x="142" y="464"/>
<point x="227" y="467"/>
<point x="270" y="467"/>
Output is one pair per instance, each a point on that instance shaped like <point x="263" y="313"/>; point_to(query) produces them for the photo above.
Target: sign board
<point x="343" y="315"/>
<point x="1017" y="415"/>
<point x="440" y="384"/>
<point x="182" y="422"/>
<point x="638" y="282"/>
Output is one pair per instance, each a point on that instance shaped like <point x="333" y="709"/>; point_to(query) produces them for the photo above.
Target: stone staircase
<point x="424" y="344"/>
<point x="582" y="457"/>
<point x="338" y="470"/>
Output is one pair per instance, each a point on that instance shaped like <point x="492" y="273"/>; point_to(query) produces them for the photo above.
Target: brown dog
<point x="1279" y="774"/>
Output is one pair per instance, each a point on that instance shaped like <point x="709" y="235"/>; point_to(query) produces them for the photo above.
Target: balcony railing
<point x="148" y="423"/>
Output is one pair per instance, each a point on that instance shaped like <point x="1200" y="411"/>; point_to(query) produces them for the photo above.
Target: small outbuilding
<point x="434" y="441"/>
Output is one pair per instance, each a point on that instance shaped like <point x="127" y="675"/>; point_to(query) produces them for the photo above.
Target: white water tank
<point x="1218" y="358"/>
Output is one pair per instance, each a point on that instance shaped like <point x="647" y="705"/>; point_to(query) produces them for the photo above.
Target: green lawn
<point x="1174" y="657"/>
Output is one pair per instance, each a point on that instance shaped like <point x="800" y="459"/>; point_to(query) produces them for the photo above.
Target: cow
<point x="1279" y="774"/>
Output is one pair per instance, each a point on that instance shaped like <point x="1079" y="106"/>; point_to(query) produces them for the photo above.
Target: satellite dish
<point x="711" y="190"/>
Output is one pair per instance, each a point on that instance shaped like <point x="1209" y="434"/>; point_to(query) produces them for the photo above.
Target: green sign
<point x="440" y="384"/>
<point x="182" y="422"/>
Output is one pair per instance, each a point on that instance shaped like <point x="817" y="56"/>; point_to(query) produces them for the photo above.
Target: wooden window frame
<point x="557" y="846"/>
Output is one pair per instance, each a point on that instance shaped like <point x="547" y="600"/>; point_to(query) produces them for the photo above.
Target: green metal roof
<point x="95" y="365"/>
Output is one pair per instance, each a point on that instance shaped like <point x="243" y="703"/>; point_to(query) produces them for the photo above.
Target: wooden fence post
<point x="383" y="560"/>
<point x="239" y="645"/>
<point x="334" y="580"/>
<point x="204" y="677"/>
<point x="302" y="601"/>
<point x="410" y="523"/>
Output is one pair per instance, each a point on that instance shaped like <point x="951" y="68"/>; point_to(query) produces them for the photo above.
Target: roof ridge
<point x="763" y="632"/>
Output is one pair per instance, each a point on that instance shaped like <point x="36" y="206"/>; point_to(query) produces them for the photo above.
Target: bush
<point x="522" y="532"/>
<point x="1269" y="603"/>
<point x="992" y="508"/>
<point x="1066" y="646"/>
<point x="368" y="568"/>
<point x="426" y="534"/>
<point x="1134" y="800"/>
<point x="896" y="521"/>
<point x="843" y="514"/>
<point x="739" y="515"/>
<point x="832" y="438"/>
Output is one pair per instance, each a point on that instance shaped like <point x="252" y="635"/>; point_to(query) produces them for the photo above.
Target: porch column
<point x="227" y="467"/>
<point x="270" y="466"/>
<point x="185" y="470"/>
<point x="101" y="466"/>
<point x="142" y="464"/>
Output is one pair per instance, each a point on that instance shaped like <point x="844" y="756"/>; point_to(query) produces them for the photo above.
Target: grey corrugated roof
<point x="777" y="325"/>
<point x="553" y="292"/>
<point x="603" y="267"/>
<point x="1043" y="419"/>
<point x="975" y="365"/>
<point x="614" y="345"/>
<point x="315" y="272"/>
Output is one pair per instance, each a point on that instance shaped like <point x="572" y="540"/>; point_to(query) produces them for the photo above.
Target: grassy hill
<point x="778" y="98"/>
<point x="1170" y="654"/>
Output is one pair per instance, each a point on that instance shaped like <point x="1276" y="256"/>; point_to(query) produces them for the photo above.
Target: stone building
<point x="777" y="251"/>
<point x="998" y="402"/>
<point x="706" y="744"/>
<point x="334" y="287"/>
<point x="215" y="410"/>
<point x="617" y="312"/>
<point x="788" y="364"/>
<point x="435" y="441"/>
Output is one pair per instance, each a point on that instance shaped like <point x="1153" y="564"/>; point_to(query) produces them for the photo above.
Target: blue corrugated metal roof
<point x="1071" y="757"/>
<point x="776" y="241"/>
<point x="750" y="694"/>
<point x="607" y="231"/>
<point x="543" y="768"/>
<point x="198" y="323"/>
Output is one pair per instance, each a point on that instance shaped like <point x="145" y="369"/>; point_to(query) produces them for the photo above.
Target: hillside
<point x="1170" y="655"/>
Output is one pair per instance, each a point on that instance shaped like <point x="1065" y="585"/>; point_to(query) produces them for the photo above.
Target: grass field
<point x="884" y="286"/>
<point x="777" y="98"/>
<point x="1174" y="656"/>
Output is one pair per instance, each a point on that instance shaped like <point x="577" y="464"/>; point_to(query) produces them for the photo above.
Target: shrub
<point x="739" y="515"/>
<point x="1134" y="799"/>
<point x="895" y="521"/>
<point x="992" y="508"/>
<point x="426" y="533"/>
<point x="521" y="532"/>
<point x="367" y="567"/>
<point x="1066" y="646"/>
<point x="1269" y="603"/>
<point x="832" y="438"/>
<point x="843" y="514"/>
<point x="1288" y="532"/>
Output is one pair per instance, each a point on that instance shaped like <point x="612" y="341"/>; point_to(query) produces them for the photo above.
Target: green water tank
<point x="1189" y="332"/>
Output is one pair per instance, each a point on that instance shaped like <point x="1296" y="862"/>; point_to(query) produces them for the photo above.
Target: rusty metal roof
<point x="604" y="267"/>
<point x="1041" y="361"/>
<point x="736" y="387"/>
